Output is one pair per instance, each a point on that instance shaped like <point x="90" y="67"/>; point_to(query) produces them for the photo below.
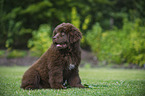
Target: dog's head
<point x="65" y="34"/>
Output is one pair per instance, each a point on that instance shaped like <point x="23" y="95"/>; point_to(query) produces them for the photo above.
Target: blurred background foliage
<point x="114" y="30"/>
<point x="124" y="45"/>
<point x="40" y="40"/>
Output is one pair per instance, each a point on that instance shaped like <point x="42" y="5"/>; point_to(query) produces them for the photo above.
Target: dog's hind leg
<point x="31" y="82"/>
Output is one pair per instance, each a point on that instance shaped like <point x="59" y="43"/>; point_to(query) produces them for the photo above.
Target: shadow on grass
<point x="93" y="86"/>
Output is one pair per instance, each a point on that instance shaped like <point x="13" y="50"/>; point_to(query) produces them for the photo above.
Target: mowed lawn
<point x="100" y="82"/>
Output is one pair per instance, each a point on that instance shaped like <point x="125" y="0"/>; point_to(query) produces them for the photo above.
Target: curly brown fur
<point x="59" y="63"/>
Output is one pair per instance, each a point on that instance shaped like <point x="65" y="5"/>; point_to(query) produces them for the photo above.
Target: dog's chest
<point x="71" y="66"/>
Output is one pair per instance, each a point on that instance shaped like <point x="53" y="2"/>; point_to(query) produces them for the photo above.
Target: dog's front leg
<point x="74" y="80"/>
<point x="56" y="78"/>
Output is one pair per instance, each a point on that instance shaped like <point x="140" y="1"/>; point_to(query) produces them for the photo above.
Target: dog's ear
<point x="75" y="35"/>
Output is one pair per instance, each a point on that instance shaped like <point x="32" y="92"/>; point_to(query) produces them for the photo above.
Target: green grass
<point x="101" y="82"/>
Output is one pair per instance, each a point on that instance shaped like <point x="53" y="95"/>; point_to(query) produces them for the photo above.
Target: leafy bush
<point x="124" y="45"/>
<point x="75" y="18"/>
<point x="93" y="37"/>
<point x="13" y="29"/>
<point x="2" y="53"/>
<point x="135" y="39"/>
<point x="40" y="41"/>
<point x="76" y="21"/>
<point x="16" y="54"/>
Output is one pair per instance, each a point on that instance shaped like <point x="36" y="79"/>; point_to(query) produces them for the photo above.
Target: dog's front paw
<point x="78" y="86"/>
<point x="58" y="86"/>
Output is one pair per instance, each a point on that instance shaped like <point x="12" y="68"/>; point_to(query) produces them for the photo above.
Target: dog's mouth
<point x="61" y="45"/>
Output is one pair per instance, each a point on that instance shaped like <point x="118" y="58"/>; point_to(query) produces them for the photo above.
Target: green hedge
<point x="125" y="45"/>
<point x="16" y="54"/>
<point x="41" y="40"/>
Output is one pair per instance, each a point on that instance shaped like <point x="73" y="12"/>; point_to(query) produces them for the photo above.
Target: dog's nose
<point x="54" y="37"/>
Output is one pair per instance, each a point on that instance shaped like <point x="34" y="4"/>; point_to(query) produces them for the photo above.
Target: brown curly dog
<point x="59" y="64"/>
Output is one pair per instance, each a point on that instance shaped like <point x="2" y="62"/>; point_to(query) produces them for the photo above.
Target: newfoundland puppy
<point x="59" y="64"/>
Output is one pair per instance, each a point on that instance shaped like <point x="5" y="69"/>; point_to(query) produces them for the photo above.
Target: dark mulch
<point x="87" y="58"/>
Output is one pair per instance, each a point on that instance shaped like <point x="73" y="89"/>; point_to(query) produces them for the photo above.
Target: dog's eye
<point x="54" y="33"/>
<point x="62" y="34"/>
